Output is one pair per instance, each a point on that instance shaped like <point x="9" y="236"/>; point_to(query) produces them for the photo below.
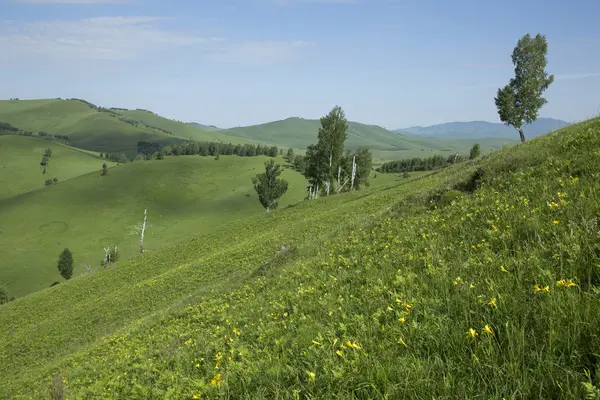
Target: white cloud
<point x="123" y="38"/>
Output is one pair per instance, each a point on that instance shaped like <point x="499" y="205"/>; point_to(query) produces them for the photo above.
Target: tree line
<point x="149" y="150"/>
<point x="428" y="164"/>
<point x="8" y="129"/>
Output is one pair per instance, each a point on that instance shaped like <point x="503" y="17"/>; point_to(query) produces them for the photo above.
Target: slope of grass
<point x="86" y="127"/>
<point x="20" y="169"/>
<point x="298" y="133"/>
<point x="181" y="129"/>
<point x="491" y="294"/>
<point x="184" y="195"/>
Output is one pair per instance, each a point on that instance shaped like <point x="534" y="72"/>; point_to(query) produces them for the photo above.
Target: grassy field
<point x="477" y="281"/>
<point x="86" y="127"/>
<point x="184" y="196"/>
<point x="21" y="172"/>
<point x="183" y="130"/>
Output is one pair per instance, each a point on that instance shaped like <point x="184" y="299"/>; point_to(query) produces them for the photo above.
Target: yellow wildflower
<point x="457" y="281"/>
<point x="537" y="289"/>
<point x="555" y="222"/>
<point x="565" y="283"/>
<point x="402" y="342"/>
<point x="472" y="333"/>
<point x="492" y="302"/>
<point x="488" y="330"/>
<point x="503" y="269"/>
<point x="402" y="320"/>
<point x="339" y="353"/>
<point x="311" y="375"/>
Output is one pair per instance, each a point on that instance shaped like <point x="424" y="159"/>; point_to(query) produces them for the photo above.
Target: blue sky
<point x="395" y="63"/>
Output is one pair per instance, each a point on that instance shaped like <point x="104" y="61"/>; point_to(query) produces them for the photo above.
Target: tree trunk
<point x="522" y="135"/>
<point x="142" y="236"/>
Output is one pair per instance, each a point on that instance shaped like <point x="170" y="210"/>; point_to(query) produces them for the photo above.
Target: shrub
<point x="65" y="264"/>
<point x="3" y="296"/>
<point x="406" y="175"/>
<point x="48" y="182"/>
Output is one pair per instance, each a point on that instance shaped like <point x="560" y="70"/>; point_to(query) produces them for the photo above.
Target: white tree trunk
<point x="142" y="237"/>
<point x="106" y="256"/>
<point x="353" y="172"/>
<point x="327" y="185"/>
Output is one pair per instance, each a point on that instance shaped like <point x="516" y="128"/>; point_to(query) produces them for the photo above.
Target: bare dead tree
<point x="142" y="237"/>
<point x="106" y="256"/>
<point x="87" y="267"/>
<point x="353" y="172"/>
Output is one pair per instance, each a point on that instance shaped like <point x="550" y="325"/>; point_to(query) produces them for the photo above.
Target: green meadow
<point x="184" y="196"/>
<point x="21" y="172"/>
<point x="480" y="280"/>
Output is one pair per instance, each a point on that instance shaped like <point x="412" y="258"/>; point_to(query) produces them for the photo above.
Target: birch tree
<point x="323" y="159"/>
<point x="520" y="101"/>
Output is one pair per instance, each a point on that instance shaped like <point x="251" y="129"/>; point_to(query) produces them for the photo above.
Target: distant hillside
<point x="87" y="126"/>
<point x="483" y="129"/>
<point x="299" y="133"/>
<point x="206" y="127"/>
<point x="20" y="169"/>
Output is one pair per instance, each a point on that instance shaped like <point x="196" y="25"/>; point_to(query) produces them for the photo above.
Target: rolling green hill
<point x="86" y="126"/>
<point x="20" y="169"/>
<point x="298" y="133"/>
<point x="477" y="281"/>
<point x="184" y="195"/>
<point x="180" y="129"/>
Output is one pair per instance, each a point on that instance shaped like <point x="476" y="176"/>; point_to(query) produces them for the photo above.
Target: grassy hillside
<point x="20" y="169"/>
<point x="184" y="195"/>
<point x="86" y="127"/>
<point x="479" y="281"/>
<point x="298" y="133"/>
<point x="186" y="131"/>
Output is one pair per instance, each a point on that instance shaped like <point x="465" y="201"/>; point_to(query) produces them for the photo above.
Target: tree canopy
<point x="520" y="101"/>
<point x="268" y="186"/>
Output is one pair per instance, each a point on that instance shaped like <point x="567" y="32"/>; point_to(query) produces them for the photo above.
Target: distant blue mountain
<point x="483" y="129"/>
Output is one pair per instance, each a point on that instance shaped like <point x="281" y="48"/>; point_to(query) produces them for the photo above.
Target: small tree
<point x="44" y="171"/>
<point x="268" y="186"/>
<point x="44" y="161"/>
<point x="3" y="296"/>
<point x="290" y="155"/>
<point x="65" y="264"/>
<point x="519" y="102"/>
<point x="101" y="155"/>
<point x="159" y="155"/>
<point x="48" y="182"/>
<point x="475" y="151"/>
<point x="104" y="169"/>
<point x="48" y="152"/>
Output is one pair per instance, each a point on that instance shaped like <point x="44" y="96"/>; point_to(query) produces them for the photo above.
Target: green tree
<point x="3" y="296"/>
<point x="520" y="101"/>
<point x="364" y="161"/>
<point x="290" y="155"/>
<point x="104" y="169"/>
<point x="65" y="264"/>
<point x="44" y="161"/>
<point x="475" y="151"/>
<point x="268" y="186"/>
<point x="159" y="155"/>
<point x="48" y="152"/>
<point x="324" y="158"/>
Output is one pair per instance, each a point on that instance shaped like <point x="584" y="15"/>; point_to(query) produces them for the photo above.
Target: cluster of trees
<point x="46" y="157"/>
<point x="420" y="164"/>
<point x="49" y="182"/>
<point x="326" y="164"/>
<point x="215" y="148"/>
<point x="429" y="163"/>
<point x="8" y="129"/>
<point x="115" y="157"/>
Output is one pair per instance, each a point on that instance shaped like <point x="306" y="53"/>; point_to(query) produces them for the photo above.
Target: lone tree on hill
<point x="268" y="186"/>
<point x="104" y="169"/>
<point x="520" y="101"/>
<point x="3" y="296"/>
<point x="475" y="151"/>
<point x="65" y="264"/>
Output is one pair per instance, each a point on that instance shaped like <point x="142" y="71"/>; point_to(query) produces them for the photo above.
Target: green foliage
<point x="65" y="264"/>
<point x="3" y="296"/>
<point x="406" y="175"/>
<point x="475" y="152"/>
<point x="104" y="169"/>
<point x="420" y="164"/>
<point x="48" y="152"/>
<point x="324" y="158"/>
<point x="268" y="186"/>
<point x="290" y="155"/>
<point x="519" y="102"/>
<point x="44" y="161"/>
